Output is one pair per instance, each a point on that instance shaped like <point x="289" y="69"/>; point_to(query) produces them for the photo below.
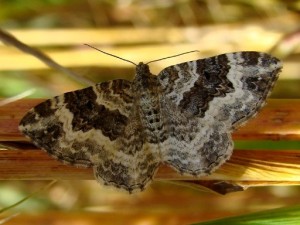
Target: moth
<point x="183" y="117"/>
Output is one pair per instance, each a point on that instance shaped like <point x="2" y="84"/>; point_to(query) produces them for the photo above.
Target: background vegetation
<point x="139" y="31"/>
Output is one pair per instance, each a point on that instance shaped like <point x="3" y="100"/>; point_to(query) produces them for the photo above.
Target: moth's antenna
<point x="171" y="56"/>
<point x="111" y="54"/>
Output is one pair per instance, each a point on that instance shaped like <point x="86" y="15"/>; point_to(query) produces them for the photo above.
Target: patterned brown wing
<point x="204" y="100"/>
<point x="95" y="127"/>
<point x="236" y="84"/>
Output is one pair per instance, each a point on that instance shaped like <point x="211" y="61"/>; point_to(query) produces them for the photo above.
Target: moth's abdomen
<point x="148" y="104"/>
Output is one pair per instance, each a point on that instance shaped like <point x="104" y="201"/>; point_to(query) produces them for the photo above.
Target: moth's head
<point x="143" y="78"/>
<point x="142" y="69"/>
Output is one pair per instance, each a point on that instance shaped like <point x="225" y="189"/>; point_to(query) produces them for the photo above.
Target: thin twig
<point x="16" y="97"/>
<point x="9" y="39"/>
<point x="27" y="197"/>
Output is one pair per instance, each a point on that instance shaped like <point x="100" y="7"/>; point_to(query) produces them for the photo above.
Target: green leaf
<point x="280" y="216"/>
